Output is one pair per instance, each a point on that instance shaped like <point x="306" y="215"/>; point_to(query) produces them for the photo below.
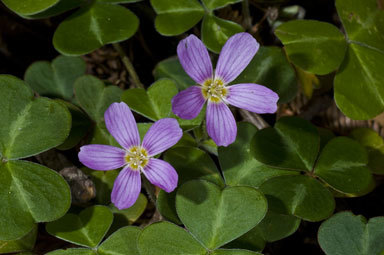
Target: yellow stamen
<point x="137" y="157"/>
<point x="215" y="90"/>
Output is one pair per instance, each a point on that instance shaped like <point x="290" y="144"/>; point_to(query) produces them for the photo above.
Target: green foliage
<point x="215" y="31"/>
<point x="374" y="144"/>
<point x="121" y="242"/>
<point x="155" y="102"/>
<point x="171" y="68"/>
<point x="96" y="25"/>
<point x="208" y="212"/>
<point x="294" y="144"/>
<point x="348" y="234"/>
<point x="94" y="97"/>
<point x="28" y="7"/>
<point x="86" y="229"/>
<point x="271" y="68"/>
<point x="317" y="47"/>
<point x="25" y="243"/>
<point x="30" y="192"/>
<point x="55" y="79"/>
<point x="302" y="196"/>
<point x="176" y="17"/>
<point x="80" y="126"/>
<point x="24" y="118"/>
<point x="153" y="240"/>
<point x="190" y="163"/>
<point x="238" y="164"/>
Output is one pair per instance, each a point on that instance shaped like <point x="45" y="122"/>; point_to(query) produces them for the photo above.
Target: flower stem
<point x="128" y="65"/>
<point x="247" y="15"/>
<point x="254" y="118"/>
<point x="150" y="189"/>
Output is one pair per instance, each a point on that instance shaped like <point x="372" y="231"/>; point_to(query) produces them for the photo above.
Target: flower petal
<point x="101" y="157"/>
<point x="188" y="103"/>
<point x="194" y="58"/>
<point x="161" y="174"/>
<point x="221" y="125"/>
<point x="126" y="188"/>
<point x="162" y="135"/>
<point x="122" y="125"/>
<point x="253" y="97"/>
<point x="236" y="54"/>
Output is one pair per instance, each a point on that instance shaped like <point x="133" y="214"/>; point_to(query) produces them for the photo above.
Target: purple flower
<point x="134" y="158"/>
<point x="236" y="54"/>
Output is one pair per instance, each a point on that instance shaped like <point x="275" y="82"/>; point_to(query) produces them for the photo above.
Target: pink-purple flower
<point x="236" y="54"/>
<point x="135" y="158"/>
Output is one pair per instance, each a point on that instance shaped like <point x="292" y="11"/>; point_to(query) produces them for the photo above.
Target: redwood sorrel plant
<point x="258" y="131"/>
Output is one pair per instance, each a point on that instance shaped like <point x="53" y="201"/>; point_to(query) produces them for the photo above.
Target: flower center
<point x="137" y="157"/>
<point x="215" y="90"/>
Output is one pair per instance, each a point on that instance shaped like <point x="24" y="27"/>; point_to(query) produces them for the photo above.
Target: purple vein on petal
<point x="121" y="124"/>
<point x="161" y="174"/>
<point x="194" y="58"/>
<point x="236" y="54"/>
<point x="162" y="135"/>
<point x="253" y="97"/>
<point x="101" y="157"/>
<point x="188" y="103"/>
<point x="221" y="125"/>
<point x="126" y="188"/>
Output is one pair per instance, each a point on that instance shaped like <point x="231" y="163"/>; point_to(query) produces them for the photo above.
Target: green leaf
<point x="342" y="164"/>
<point x="167" y="238"/>
<point x="96" y="25"/>
<point x="360" y="73"/>
<point x="271" y="68"/>
<point x="363" y="22"/>
<point x="190" y="163"/>
<point x="80" y="126"/>
<point x="276" y="226"/>
<point x="215" y="31"/>
<point x="315" y="46"/>
<point x="59" y="8"/>
<point x="130" y="215"/>
<point x="30" y="193"/>
<point x="348" y="234"/>
<point x="122" y="242"/>
<point x="209" y="212"/>
<point x="216" y="4"/>
<point x="292" y="144"/>
<point x="56" y="79"/>
<point x="28" y="7"/>
<point x="239" y="166"/>
<point x="118" y="1"/>
<point x="252" y="240"/>
<point x="234" y="252"/>
<point x="25" y="243"/>
<point x="273" y="227"/>
<point x="374" y="145"/>
<point x="94" y="97"/>
<point x="171" y="68"/>
<point x="72" y="251"/>
<point x="301" y="196"/>
<point x="86" y="229"/>
<point x="29" y="126"/>
<point x="176" y="17"/>
<point x="193" y="163"/>
<point x="155" y="102"/>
